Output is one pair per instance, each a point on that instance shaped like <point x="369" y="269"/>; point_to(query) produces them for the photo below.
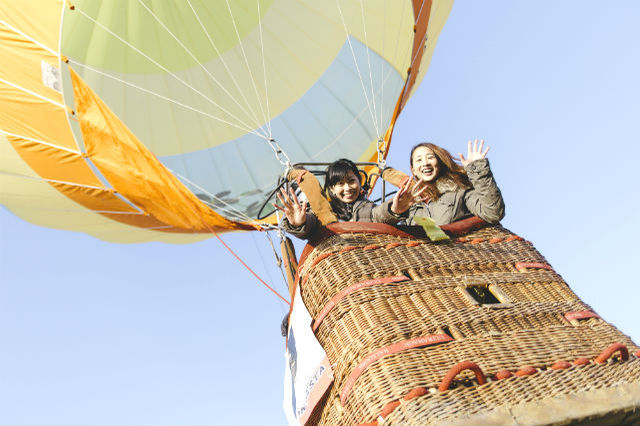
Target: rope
<point x="245" y="265"/>
<point x="90" y="68"/>
<point x="224" y="63"/>
<point x="264" y="72"/>
<point x="277" y="258"/>
<point x="384" y="30"/>
<point x="246" y="61"/>
<point x="364" y="90"/>
<point x="194" y="58"/>
<point x="135" y="49"/>
<point x="366" y="42"/>
<point x="38" y="141"/>
<point x="31" y="39"/>
<point x="32" y="93"/>
<point x="212" y="230"/>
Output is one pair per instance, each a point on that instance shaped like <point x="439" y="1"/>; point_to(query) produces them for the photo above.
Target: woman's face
<point x="425" y="165"/>
<point x="348" y="189"/>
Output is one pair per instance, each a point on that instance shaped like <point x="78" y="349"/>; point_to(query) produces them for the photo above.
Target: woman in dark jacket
<point x="455" y="192"/>
<point x="348" y="201"/>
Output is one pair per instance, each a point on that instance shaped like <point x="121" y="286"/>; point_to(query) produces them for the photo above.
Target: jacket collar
<point x="446" y="185"/>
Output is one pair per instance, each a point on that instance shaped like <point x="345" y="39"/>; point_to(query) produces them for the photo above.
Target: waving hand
<point x="295" y="212"/>
<point x="473" y="152"/>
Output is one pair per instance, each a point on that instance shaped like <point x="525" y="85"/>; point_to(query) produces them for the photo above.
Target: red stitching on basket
<point x="347" y="248"/>
<point x="432" y="339"/>
<point x="526" y="371"/>
<point x="322" y="257"/>
<point x="415" y="392"/>
<point x="388" y="409"/>
<point x="561" y="365"/>
<point x="351" y="289"/>
<point x="371" y="247"/>
<point x="581" y="361"/>
<point x="570" y="316"/>
<point x="523" y="266"/>
<point x="393" y="245"/>
<point x="500" y="375"/>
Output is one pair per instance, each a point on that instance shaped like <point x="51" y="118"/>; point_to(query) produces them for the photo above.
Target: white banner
<point x="307" y="373"/>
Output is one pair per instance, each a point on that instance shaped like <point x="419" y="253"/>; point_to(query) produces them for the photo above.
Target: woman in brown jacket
<point x="455" y="192"/>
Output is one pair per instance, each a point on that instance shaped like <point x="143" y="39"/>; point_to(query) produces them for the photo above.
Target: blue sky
<point x="153" y="334"/>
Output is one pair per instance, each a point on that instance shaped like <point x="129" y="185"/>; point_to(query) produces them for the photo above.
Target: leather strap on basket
<point x="313" y="191"/>
<point x="351" y="289"/>
<point x="417" y="342"/>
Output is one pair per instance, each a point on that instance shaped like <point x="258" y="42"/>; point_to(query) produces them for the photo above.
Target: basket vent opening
<point x="482" y="294"/>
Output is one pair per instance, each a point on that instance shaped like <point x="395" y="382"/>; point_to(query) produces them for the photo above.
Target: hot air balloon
<point x="152" y="120"/>
<point x="164" y="121"/>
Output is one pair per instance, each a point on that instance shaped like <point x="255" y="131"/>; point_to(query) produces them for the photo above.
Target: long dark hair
<point x="337" y="172"/>
<point x="448" y="169"/>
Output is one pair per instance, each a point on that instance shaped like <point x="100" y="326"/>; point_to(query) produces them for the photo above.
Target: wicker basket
<point x="396" y="313"/>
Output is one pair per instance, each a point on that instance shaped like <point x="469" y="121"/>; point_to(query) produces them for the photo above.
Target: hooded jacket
<point x="455" y="203"/>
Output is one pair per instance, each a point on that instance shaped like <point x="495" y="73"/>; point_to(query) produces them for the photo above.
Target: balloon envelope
<point x="151" y="120"/>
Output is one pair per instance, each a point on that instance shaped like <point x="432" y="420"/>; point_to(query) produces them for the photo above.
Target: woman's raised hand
<point x="295" y="212"/>
<point x="405" y="198"/>
<point x="474" y="152"/>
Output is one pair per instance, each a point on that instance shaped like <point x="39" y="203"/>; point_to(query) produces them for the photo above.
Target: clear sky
<point x="94" y="333"/>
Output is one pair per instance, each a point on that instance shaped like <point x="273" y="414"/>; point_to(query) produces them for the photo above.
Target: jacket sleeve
<point x="484" y="199"/>
<point x="383" y="214"/>
<point x="306" y="230"/>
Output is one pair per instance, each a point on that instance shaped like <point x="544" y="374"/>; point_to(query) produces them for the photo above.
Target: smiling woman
<point x="455" y="192"/>
<point x="143" y="334"/>
<point x="348" y="202"/>
<point x="343" y="182"/>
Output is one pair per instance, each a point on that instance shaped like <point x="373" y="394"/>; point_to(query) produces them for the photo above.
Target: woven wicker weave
<point x="534" y="320"/>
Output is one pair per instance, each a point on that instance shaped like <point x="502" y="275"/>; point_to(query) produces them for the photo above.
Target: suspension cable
<point x="355" y="61"/>
<point x="366" y="42"/>
<point x="160" y="66"/>
<point x="224" y="63"/>
<point x="188" y="51"/>
<point x="158" y="95"/>
<point x="246" y="61"/>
